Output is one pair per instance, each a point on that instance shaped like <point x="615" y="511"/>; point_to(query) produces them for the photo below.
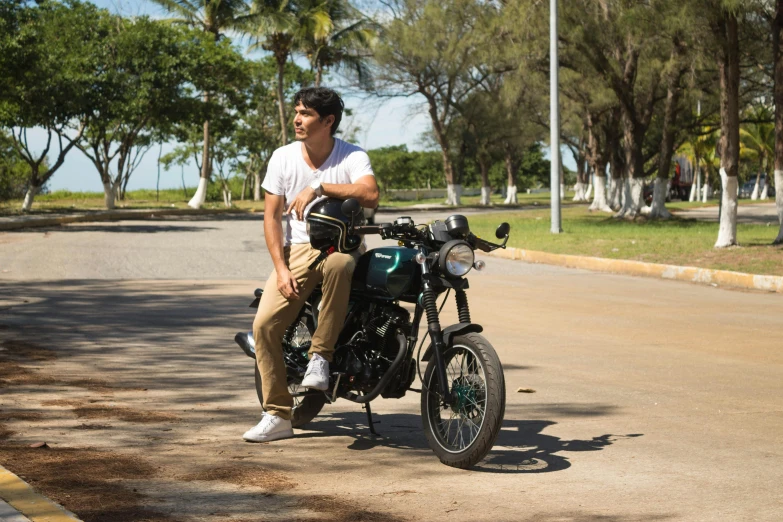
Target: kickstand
<point x="370" y="422"/>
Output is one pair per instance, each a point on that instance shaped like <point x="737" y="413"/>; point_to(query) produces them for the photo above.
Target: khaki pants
<point x="276" y="313"/>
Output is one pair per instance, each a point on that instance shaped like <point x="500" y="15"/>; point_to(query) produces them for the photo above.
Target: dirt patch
<point x="244" y="476"/>
<point x="88" y="410"/>
<point x="22" y="350"/>
<point x="85" y="481"/>
<point x="5" y="433"/>
<point x="342" y="511"/>
<point x="93" y="427"/>
<point x="12" y="373"/>
<point x="19" y="415"/>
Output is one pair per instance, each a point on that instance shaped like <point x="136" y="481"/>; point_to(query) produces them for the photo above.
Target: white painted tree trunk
<point x="28" y="198"/>
<point x="257" y="187"/>
<point x="485" y="194"/>
<point x="200" y="196"/>
<point x="589" y="191"/>
<point x="755" y="194"/>
<point x="599" y="203"/>
<point x="727" y="233"/>
<point x="579" y="192"/>
<point x="511" y="195"/>
<point x="615" y="195"/>
<point x="562" y="191"/>
<point x="706" y="193"/>
<point x="693" y="195"/>
<point x="453" y="194"/>
<point x="109" y="195"/>
<point x="227" y="198"/>
<point x="764" y="192"/>
<point x="658" y="208"/>
<point x="779" y="204"/>
<point x="632" y="200"/>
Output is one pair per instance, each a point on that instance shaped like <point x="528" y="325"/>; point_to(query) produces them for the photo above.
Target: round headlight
<point x="456" y="258"/>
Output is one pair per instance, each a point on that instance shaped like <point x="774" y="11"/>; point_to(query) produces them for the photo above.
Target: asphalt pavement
<point x="652" y="400"/>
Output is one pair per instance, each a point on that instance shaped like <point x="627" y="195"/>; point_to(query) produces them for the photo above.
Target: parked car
<point x="746" y="189"/>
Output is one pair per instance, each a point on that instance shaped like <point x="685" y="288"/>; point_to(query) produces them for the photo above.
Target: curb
<point x="621" y="266"/>
<point x="22" y="497"/>
<point x="110" y="215"/>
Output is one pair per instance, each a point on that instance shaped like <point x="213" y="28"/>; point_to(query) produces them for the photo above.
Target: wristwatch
<point x="316" y="186"/>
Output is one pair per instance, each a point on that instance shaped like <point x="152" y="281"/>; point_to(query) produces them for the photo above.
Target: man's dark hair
<point x="325" y="102"/>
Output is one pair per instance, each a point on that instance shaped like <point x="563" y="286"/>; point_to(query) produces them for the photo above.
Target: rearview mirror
<point x="502" y="230"/>
<point x="351" y="208"/>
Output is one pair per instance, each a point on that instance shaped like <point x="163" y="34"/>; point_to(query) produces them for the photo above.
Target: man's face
<point x="309" y="125"/>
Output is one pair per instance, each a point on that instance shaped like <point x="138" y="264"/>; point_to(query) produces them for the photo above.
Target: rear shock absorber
<point x="462" y="306"/>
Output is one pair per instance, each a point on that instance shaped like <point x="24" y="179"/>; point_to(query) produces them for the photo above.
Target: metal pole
<point x="698" y="169"/>
<point x="554" y="120"/>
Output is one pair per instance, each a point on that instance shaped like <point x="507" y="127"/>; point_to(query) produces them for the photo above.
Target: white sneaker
<point x="270" y="428"/>
<point x="317" y="374"/>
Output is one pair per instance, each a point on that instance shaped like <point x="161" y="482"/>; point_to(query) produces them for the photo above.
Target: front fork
<point x="429" y="303"/>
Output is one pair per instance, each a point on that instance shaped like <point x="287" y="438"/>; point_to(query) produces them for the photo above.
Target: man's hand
<point x="299" y="204"/>
<point x="287" y="285"/>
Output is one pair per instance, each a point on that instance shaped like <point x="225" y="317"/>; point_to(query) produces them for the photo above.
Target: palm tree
<point x="757" y="143"/>
<point x="214" y="17"/>
<point x="347" y="45"/>
<point x="701" y="153"/>
<point x="295" y="22"/>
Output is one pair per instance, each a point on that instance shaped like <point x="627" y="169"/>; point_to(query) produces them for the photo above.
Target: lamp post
<point x="554" y="120"/>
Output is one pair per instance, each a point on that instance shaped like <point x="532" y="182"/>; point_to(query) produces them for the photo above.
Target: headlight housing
<point x="456" y="258"/>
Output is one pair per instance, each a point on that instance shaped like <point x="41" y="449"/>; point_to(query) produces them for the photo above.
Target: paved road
<point x="654" y="400"/>
<point x="749" y="213"/>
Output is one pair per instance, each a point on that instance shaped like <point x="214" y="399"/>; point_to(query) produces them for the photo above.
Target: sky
<point x="380" y="123"/>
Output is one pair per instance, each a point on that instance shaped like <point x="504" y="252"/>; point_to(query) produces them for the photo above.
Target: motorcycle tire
<point x="305" y="408"/>
<point x="305" y="411"/>
<point x="472" y="423"/>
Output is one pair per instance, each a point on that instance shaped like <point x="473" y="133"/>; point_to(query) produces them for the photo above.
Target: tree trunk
<point x="658" y="207"/>
<point x="755" y="194"/>
<point x="319" y="72"/>
<point x="779" y="203"/>
<point x="706" y="189"/>
<point x="453" y="194"/>
<point x="281" y="98"/>
<point x="200" y="196"/>
<point x="486" y="190"/>
<point x="257" y="187"/>
<point x="511" y="193"/>
<point x="244" y="187"/>
<point x="777" y="48"/>
<point x="579" y="189"/>
<point x="28" y="197"/>
<point x="600" y="203"/>
<point x="728" y="67"/>
<point x="109" y="194"/>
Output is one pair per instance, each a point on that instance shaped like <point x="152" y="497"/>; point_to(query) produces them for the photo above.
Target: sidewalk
<point x="9" y="514"/>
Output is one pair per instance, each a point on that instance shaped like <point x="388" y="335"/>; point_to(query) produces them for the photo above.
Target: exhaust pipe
<point x="247" y="343"/>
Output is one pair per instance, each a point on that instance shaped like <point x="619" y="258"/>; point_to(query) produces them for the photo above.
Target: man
<point x="316" y="165"/>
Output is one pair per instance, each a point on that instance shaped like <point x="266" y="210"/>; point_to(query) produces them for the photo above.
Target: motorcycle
<point x="463" y="394"/>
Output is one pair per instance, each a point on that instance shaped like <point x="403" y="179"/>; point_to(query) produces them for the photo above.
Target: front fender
<point x="449" y="332"/>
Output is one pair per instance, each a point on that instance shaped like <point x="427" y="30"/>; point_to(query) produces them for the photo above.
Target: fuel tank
<point x="388" y="272"/>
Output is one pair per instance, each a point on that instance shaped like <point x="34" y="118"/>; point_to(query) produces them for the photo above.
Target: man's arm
<point x="364" y="189"/>
<point x="273" y="232"/>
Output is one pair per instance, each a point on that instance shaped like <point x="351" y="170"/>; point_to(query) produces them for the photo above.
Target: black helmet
<point x="327" y="227"/>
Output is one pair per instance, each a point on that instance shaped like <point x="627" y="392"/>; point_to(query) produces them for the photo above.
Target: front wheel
<point x="462" y="433"/>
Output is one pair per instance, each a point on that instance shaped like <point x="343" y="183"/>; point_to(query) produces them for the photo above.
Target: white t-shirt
<point x="288" y="174"/>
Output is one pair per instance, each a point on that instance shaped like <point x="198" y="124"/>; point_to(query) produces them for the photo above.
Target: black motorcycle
<point x="463" y="393"/>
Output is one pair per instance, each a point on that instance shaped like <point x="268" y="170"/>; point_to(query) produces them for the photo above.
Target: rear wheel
<point x="305" y="407"/>
<point x="462" y="433"/>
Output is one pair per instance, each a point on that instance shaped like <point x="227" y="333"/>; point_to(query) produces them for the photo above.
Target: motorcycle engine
<point x="372" y="346"/>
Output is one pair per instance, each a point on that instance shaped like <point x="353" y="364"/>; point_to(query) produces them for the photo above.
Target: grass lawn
<point x="676" y="241"/>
